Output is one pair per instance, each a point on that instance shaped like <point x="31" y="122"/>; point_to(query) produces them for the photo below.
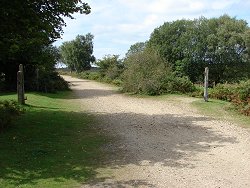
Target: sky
<point x="118" y="24"/>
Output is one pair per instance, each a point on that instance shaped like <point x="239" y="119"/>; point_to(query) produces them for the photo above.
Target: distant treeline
<point x="175" y="56"/>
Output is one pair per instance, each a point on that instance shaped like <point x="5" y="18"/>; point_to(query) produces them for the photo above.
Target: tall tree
<point x="110" y="66"/>
<point x="190" y="46"/>
<point x="28" y="26"/>
<point x="227" y="50"/>
<point x="136" y="48"/>
<point x="78" y="53"/>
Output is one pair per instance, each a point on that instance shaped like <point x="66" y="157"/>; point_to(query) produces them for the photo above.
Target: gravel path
<point x="164" y="143"/>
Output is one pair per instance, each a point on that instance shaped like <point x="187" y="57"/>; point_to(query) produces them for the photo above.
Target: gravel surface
<point x="159" y="143"/>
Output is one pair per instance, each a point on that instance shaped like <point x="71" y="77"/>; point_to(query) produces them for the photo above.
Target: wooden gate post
<point x="206" y="84"/>
<point x="20" y="85"/>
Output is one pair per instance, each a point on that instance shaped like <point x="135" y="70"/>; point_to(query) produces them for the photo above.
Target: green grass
<point x="217" y="109"/>
<point x="222" y="110"/>
<point x="52" y="145"/>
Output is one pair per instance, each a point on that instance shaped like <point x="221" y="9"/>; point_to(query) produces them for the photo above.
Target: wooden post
<point x="206" y="84"/>
<point x="21" y="69"/>
<point x="20" y="85"/>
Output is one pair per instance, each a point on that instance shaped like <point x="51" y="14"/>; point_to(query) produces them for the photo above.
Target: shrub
<point x="238" y="94"/>
<point x="173" y="84"/>
<point x="198" y="92"/>
<point x="82" y="75"/>
<point x="243" y="90"/>
<point x="117" y="82"/>
<point x="45" y="80"/>
<point x="51" y="82"/>
<point x="94" y="76"/>
<point x="8" y="111"/>
<point x="110" y="66"/>
<point x="223" y="92"/>
<point x="146" y="72"/>
<point x="241" y="98"/>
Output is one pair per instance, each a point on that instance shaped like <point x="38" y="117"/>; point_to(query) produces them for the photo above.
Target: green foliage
<point x="143" y="73"/>
<point x="173" y="83"/>
<point x="238" y="94"/>
<point x="31" y="24"/>
<point x="77" y="54"/>
<point x="43" y="77"/>
<point x="222" y="110"/>
<point x="241" y="97"/>
<point x="87" y="75"/>
<point x="222" y="44"/>
<point x="136" y="48"/>
<point x="8" y="111"/>
<point x="198" y="92"/>
<point x="29" y="27"/>
<point x="110" y="67"/>
<point x="243" y="90"/>
<point x="223" y="92"/>
<point x="117" y="82"/>
<point x="146" y="72"/>
<point x="50" y="82"/>
<point x="93" y="75"/>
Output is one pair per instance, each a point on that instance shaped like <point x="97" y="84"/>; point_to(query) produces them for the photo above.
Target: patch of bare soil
<point x="163" y="143"/>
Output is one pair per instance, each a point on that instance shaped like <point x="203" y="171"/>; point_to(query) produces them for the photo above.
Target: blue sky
<point x="117" y="24"/>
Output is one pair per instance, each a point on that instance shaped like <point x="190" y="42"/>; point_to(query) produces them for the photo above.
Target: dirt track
<point x="164" y="143"/>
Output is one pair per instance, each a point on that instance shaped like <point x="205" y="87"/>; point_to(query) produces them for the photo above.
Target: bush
<point x="173" y="84"/>
<point x="198" y="91"/>
<point x="45" y="80"/>
<point x="8" y="111"/>
<point x="223" y="92"/>
<point x="110" y="67"/>
<point x="94" y="76"/>
<point x="146" y="72"/>
<point x="87" y="75"/>
<point x="241" y="98"/>
<point x="238" y="94"/>
<point x="117" y="82"/>
<point x="82" y="75"/>
<point x="243" y="90"/>
<point x="51" y="82"/>
<point x="106" y="79"/>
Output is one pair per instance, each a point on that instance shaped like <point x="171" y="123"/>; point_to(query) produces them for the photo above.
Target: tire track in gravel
<point x="163" y="143"/>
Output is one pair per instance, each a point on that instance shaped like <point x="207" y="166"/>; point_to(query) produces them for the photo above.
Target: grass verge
<point x="217" y="109"/>
<point x="52" y="145"/>
<point x="222" y="110"/>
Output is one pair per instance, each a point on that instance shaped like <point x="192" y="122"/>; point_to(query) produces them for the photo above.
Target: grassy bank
<point x="222" y="110"/>
<point x="51" y="145"/>
<point x="218" y="109"/>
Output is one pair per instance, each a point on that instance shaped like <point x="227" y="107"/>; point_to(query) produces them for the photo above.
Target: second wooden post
<point x="20" y="85"/>
<point x="206" y="84"/>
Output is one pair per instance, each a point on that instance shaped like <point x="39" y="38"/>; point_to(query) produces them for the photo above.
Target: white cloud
<point x="223" y="4"/>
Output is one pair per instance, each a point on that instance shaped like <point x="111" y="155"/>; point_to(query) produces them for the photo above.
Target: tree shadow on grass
<point x="66" y="148"/>
<point x="39" y="107"/>
<point x="49" y="148"/>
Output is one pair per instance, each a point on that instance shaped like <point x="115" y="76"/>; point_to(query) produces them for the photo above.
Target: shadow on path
<point x="164" y="139"/>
